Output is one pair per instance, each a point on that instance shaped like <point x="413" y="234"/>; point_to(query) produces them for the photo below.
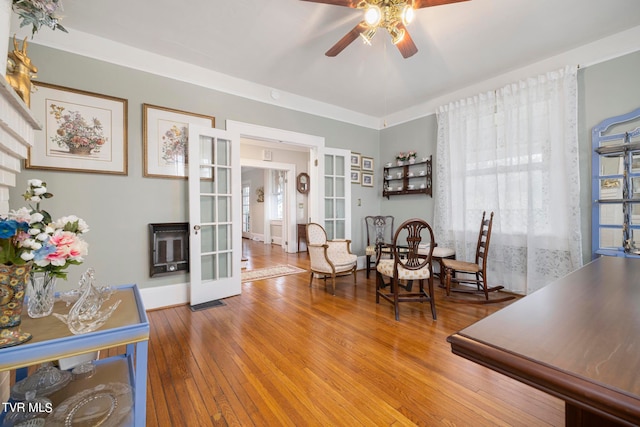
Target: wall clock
<point x="303" y="183"/>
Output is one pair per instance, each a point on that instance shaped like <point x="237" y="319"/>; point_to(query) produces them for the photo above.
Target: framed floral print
<point x="165" y="136"/>
<point x="82" y="131"/>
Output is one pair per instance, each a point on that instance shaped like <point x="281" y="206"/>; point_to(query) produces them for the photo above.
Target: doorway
<point x="271" y="204"/>
<point x="286" y="140"/>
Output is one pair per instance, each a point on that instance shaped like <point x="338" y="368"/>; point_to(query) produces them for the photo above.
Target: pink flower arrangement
<point x="56" y="244"/>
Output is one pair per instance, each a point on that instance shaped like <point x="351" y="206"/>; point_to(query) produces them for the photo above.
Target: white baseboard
<point x="165" y="296"/>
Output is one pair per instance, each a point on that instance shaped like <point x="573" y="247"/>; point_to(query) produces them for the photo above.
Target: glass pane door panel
<point x="224" y="237"/>
<point x="208" y="267"/>
<point x="328" y="165"/>
<point x="206" y="173"/>
<point x="224" y="208"/>
<point x="340" y="186"/>
<point x="206" y="150"/>
<point x="611" y="214"/>
<point x="208" y="239"/>
<point x="207" y="209"/>
<point x="224" y="180"/>
<point x="610" y="238"/>
<point x="339" y="167"/>
<point x="328" y="186"/>
<point x="328" y="209"/>
<point x="329" y="228"/>
<point x="224" y="152"/>
<point x="340" y="209"/>
<point x="225" y="265"/>
<point x="340" y="229"/>
<point x="206" y="184"/>
<point x="611" y="188"/>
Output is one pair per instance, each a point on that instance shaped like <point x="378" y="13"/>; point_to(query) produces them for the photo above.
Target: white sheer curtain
<point x="513" y="152"/>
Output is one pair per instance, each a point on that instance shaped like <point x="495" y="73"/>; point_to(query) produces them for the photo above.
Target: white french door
<point x="215" y="217"/>
<point x="337" y="193"/>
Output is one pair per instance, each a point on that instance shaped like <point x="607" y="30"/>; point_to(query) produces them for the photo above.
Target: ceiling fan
<point x="392" y="15"/>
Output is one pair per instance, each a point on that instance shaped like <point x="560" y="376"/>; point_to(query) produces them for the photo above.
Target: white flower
<point x="27" y="243"/>
<point x="42" y="237"/>
<point x="83" y="227"/>
<point x="34" y="182"/>
<point x="49" y="229"/>
<point x="36" y="217"/>
<point x="21" y="215"/>
<point x="35" y="199"/>
<point x="39" y="191"/>
<point x="34" y="231"/>
<point x="36" y="245"/>
<point x="27" y="256"/>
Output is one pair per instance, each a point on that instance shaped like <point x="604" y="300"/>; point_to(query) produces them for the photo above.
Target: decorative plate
<point x="105" y="405"/>
<point x="46" y="380"/>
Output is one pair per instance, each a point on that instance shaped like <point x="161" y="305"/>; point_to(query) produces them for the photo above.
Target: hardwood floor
<point x="282" y="353"/>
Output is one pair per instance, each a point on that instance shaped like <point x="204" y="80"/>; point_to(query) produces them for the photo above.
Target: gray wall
<point x="119" y="208"/>
<point x="607" y="89"/>
<point x="418" y="135"/>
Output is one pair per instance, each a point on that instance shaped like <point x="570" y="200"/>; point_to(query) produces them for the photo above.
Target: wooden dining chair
<point x="379" y="230"/>
<point x="458" y="272"/>
<point x="407" y="264"/>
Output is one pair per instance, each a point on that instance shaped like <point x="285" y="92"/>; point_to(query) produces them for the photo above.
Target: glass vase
<point x="41" y="294"/>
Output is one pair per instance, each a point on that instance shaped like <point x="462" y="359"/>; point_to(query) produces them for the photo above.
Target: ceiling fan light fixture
<point x="368" y="35"/>
<point x="396" y="34"/>
<point x="373" y="15"/>
<point x="407" y="14"/>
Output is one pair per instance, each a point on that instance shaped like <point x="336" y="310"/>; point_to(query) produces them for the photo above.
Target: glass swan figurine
<point x="87" y="315"/>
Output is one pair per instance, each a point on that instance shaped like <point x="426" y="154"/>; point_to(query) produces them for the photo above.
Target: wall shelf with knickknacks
<point x="406" y="177"/>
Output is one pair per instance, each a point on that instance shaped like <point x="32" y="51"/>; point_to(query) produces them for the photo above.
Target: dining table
<point x="577" y="339"/>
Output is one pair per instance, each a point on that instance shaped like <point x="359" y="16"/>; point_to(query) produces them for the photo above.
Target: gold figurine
<point x="20" y="71"/>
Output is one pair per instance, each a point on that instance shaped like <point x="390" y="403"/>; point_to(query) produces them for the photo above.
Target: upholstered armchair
<point x="329" y="258"/>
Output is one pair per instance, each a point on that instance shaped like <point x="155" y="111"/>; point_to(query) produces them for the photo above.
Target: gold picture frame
<point x="82" y="131"/>
<point x="165" y="135"/>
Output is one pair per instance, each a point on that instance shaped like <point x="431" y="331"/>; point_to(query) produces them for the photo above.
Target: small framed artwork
<point x="355" y="160"/>
<point x="355" y="177"/>
<point x="82" y="131"/>
<point x="367" y="164"/>
<point x="367" y="179"/>
<point x="165" y="137"/>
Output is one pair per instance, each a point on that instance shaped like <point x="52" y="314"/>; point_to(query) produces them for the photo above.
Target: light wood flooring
<point x="284" y="354"/>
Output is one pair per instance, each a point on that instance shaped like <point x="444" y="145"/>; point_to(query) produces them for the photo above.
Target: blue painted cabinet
<point x="126" y="331"/>
<point x="616" y="186"/>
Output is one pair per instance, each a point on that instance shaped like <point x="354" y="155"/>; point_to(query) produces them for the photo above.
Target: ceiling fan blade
<point x="406" y="46"/>
<point x="347" y="3"/>
<point x="347" y="39"/>
<point x="419" y="4"/>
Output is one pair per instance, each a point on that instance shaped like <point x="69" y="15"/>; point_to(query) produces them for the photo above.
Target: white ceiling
<point x="280" y="44"/>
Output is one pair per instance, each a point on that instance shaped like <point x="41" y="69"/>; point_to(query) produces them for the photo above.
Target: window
<point x="246" y="191"/>
<point x="277" y="207"/>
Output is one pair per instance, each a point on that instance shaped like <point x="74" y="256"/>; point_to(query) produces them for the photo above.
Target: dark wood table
<point x="577" y="339"/>
<point x="302" y="234"/>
